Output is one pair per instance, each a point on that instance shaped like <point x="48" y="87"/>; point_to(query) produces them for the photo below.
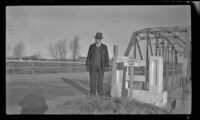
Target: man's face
<point x="98" y="40"/>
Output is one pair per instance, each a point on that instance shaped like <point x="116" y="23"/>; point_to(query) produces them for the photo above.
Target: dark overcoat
<point x="103" y="53"/>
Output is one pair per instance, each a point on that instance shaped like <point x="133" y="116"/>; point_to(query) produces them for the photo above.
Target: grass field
<point x="105" y="105"/>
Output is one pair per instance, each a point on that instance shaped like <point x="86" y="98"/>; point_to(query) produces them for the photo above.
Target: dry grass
<point x="106" y="105"/>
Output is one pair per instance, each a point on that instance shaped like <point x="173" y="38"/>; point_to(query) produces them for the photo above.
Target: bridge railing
<point x="42" y="67"/>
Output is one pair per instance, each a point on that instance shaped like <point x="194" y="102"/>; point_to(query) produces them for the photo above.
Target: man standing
<point x="97" y="63"/>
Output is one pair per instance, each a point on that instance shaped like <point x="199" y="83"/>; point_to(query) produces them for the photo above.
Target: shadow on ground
<point x="83" y="86"/>
<point x="33" y="103"/>
<point x="77" y="85"/>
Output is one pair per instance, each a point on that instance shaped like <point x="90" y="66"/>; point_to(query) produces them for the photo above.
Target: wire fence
<point x="42" y="67"/>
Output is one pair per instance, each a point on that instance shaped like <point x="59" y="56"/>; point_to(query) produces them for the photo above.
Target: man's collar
<point x="99" y="44"/>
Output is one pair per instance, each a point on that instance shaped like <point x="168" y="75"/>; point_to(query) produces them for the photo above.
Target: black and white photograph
<point x="98" y="59"/>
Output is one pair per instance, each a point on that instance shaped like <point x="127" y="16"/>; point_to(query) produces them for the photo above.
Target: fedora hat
<point x="99" y="35"/>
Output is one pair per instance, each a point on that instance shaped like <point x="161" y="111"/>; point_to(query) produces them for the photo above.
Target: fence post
<point x="32" y="68"/>
<point x="78" y="67"/>
<point x="57" y="67"/>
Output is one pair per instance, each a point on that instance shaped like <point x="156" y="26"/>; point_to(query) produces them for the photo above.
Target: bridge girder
<point x="177" y="36"/>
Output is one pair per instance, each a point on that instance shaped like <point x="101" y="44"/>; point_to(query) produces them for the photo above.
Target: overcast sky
<point x="37" y="26"/>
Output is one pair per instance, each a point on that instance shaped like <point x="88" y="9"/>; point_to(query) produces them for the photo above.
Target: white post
<point x="114" y="71"/>
<point x="156" y="74"/>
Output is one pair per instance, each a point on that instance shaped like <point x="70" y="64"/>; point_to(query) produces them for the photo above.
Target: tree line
<point x="57" y="50"/>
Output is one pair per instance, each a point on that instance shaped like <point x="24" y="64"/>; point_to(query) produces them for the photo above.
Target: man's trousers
<point x="96" y="80"/>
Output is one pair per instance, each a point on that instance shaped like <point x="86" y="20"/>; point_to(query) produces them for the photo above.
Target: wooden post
<point x="114" y="70"/>
<point x="124" y="90"/>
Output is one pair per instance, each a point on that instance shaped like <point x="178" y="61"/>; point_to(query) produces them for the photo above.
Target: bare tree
<point x="9" y="33"/>
<point x="38" y="55"/>
<point x="74" y="47"/>
<point x="8" y="50"/>
<point x="18" y="50"/>
<point x="58" y="50"/>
